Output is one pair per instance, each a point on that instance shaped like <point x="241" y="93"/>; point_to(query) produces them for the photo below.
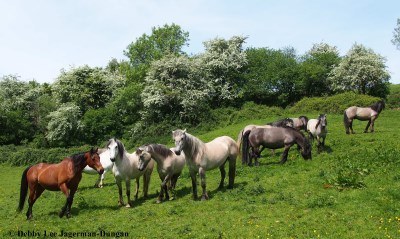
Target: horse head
<point x="322" y="121"/>
<point x="115" y="148"/>
<point x="306" y="149"/>
<point x="93" y="160"/>
<point x="144" y="157"/>
<point x="304" y="121"/>
<point x="179" y="137"/>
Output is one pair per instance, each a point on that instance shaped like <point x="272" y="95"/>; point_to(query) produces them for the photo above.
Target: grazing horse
<point x="317" y="129"/>
<point x="201" y="157"/>
<point x="370" y="113"/>
<point x="126" y="167"/>
<point x="274" y="138"/>
<point x="105" y="159"/>
<point x="300" y="123"/>
<point x="64" y="176"/>
<point x="287" y="122"/>
<point x="169" y="166"/>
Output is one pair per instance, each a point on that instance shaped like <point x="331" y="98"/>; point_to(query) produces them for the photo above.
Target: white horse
<point x="317" y="129"/>
<point x="105" y="161"/>
<point x="169" y="166"/>
<point x="201" y="157"/>
<point x="126" y="168"/>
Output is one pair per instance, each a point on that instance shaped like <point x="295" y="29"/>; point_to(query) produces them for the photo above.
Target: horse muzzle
<point x="101" y="171"/>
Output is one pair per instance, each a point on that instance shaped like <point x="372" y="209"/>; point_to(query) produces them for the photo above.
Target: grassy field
<point x="351" y="190"/>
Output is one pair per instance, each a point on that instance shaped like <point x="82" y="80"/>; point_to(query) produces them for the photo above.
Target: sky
<point x="40" y="38"/>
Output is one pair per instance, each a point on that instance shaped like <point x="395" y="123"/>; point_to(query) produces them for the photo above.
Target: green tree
<point x="315" y="67"/>
<point x="88" y="88"/>
<point x="396" y="35"/>
<point x="363" y="71"/>
<point x="271" y="76"/>
<point x="162" y="41"/>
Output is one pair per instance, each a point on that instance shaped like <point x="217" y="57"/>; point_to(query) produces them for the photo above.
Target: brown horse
<point x="275" y="138"/>
<point x="64" y="176"/>
<point x="368" y="113"/>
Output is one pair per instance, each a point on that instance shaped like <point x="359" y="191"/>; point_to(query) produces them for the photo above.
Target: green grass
<point x="351" y="190"/>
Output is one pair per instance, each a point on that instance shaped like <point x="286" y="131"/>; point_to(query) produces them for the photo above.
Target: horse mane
<point x="378" y="106"/>
<point x="195" y="144"/>
<point x="160" y="149"/>
<point x="281" y="122"/>
<point x="77" y="160"/>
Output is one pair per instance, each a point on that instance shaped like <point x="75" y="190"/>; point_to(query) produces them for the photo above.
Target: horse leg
<point x="98" y="182"/>
<point x="137" y="187"/>
<point x="120" y="198"/>
<point x="366" y="128"/>
<point x="102" y="179"/>
<point x="223" y="173"/>
<point x="202" y="174"/>
<point x="65" y="190"/>
<point x="194" y="183"/>
<point x="232" y="171"/>
<point x="373" y="123"/>
<point x="70" y="199"/>
<point x="285" y="154"/>
<point x="34" y="193"/>
<point x="146" y="183"/>
<point x="174" y="179"/>
<point x="128" y="191"/>
<point x="351" y="126"/>
<point x="164" y="189"/>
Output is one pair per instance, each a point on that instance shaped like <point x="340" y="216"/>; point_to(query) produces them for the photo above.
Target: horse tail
<point x="239" y="140"/>
<point x="346" y="121"/>
<point x="245" y="147"/>
<point x="23" y="189"/>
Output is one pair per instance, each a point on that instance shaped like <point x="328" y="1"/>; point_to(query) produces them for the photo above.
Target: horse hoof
<point x="120" y="204"/>
<point x="171" y="198"/>
<point x="128" y="205"/>
<point x="204" y="198"/>
<point x="158" y="201"/>
<point x="230" y="187"/>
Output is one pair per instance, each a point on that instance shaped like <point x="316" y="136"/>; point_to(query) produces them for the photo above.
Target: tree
<point x="64" y="127"/>
<point x="88" y="88"/>
<point x="396" y="35"/>
<point x="223" y="62"/>
<point x="315" y="67"/>
<point x="165" y="40"/>
<point x="363" y="71"/>
<point x="271" y="76"/>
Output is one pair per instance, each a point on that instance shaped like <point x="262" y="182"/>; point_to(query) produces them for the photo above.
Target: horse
<point x="370" y="113"/>
<point x="286" y="122"/>
<point x="169" y="166"/>
<point x="317" y="129"/>
<point x="105" y="161"/>
<point x="202" y="157"/>
<point x="64" y="176"/>
<point x="126" y="167"/>
<point x="300" y="123"/>
<point x="274" y="138"/>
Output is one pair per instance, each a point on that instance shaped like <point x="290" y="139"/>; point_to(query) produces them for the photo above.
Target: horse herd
<point x="189" y="150"/>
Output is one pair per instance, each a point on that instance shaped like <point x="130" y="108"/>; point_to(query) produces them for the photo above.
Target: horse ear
<point x="184" y="131"/>
<point x="139" y="151"/>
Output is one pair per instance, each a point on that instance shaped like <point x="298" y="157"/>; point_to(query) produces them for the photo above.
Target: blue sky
<point x="39" y="38"/>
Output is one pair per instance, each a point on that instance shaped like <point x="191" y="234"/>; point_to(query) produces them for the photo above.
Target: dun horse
<point x="369" y="113"/>
<point x="300" y="123"/>
<point x="64" y="176"/>
<point x="201" y="157"/>
<point x="126" y="168"/>
<point x="274" y="138"/>
<point x="169" y="166"/>
<point x="317" y="129"/>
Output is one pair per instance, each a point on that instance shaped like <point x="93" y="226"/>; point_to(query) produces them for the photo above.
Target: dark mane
<point x="161" y="149"/>
<point x="120" y="145"/>
<point x="78" y="159"/>
<point x="281" y="122"/>
<point x="378" y="106"/>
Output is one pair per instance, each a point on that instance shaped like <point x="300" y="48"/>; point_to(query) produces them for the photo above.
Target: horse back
<point x="50" y="176"/>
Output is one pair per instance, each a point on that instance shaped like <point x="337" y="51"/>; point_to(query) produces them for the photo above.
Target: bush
<point x="332" y="104"/>
<point x="393" y="99"/>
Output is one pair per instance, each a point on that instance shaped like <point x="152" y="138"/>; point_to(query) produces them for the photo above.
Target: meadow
<point x="350" y="190"/>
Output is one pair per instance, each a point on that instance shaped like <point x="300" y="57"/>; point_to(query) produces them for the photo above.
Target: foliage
<point x="363" y="71"/>
<point x="393" y="99"/>
<point x="165" y="40"/>
<point x="64" y="127"/>
<point x="271" y="76"/>
<point x="315" y="67"/>
<point x="332" y="104"/>
<point x="396" y="35"/>
<point x="86" y="87"/>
